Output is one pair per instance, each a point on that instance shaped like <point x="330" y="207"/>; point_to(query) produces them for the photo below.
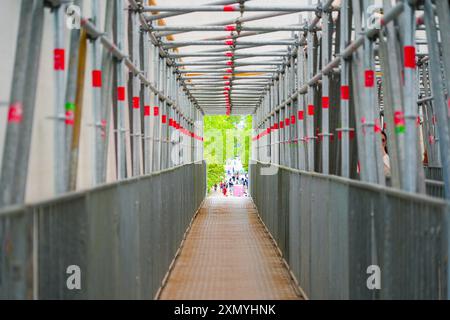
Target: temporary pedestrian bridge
<point x="102" y="184"/>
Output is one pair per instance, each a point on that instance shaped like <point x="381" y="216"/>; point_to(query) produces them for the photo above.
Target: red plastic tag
<point x="230" y="28"/>
<point x="147" y="111"/>
<point x="369" y="78"/>
<point x="345" y="92"/>
<point x="325" y="102"/>
<point x="229" y="8"/>
<point x="96" y="78"/>
<point x="311" y="110"/>
<point x="59" y="59"/>
<point x="410" y="56"/>
<point x="15" y="113"/>
<point x="156" y="111"/>
<point x="136" y="103"/>
<point x="121" y="93"/>
<point x="164" y="119"/>
<point x="300" y="115"/>
<point x="292" y="119"/>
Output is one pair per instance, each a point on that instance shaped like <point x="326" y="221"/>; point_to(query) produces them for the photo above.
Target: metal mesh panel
<point x="334" y="229"/>
<point x="123" y="236"/>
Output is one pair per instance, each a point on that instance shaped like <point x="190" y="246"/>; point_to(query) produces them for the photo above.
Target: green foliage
<point x="226" y="137"/>
<point x="216" y="173"/>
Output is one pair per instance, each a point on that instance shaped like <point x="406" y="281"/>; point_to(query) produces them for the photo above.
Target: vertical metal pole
<point x="136" y="88"/>
<point x="75" y="143"/>
<point x="147" y="108"/>
<point x="439" y="102"/>
<point x="71" y="87"/>
<point x="326" y="34"/>
<point x="410" y="98"/>
<point x="310" y="98"/>
<point x="59" y="130"/>
<point x="302" y="149"/>
<point x="121" y="105"/>
<point x="96" y="98"/>
<point x="20" y="114"/>
<point x="106" y="96"/>
<point x="345" y="91"/>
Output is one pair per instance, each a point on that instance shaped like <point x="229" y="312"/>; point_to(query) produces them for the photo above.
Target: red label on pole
<point x="229" y="54"/>
<point x="325" y="102"/>
<point x="276" y="126"/>
<point x="59" y="59"/>
<point x="121" y="93"/>
<point x="292" y="119"/>
<point x="310" y="110"/>
<point x="281" y="124"/>
<point x="267" y="130"/>
<point x="96" y="78"/>
<point x="164" y="119"/>
<point x="228" y="8"/>
<point x="377" y="126"/>
<point x="409" y="56"/>
<point x="147" y="111"/>
<point x="170" y="122"/>
<point x="300" y="115"/>
<point x="286" y="122"/>
<point x="136" y="103"/>
<point x="230" y="28"/>
<point x="15" y="113"/>
<point x="70" y="117"/>
<point x="229" y="71"/>
<point x="229" y="42"/>
<point x="345" y="92"/>
<point x="226" y="77"/>
<point x="369" y="77"/>
<point x="156" y="111"/>
<point x="229" y="63"/>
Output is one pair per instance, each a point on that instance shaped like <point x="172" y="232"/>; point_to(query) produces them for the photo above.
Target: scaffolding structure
<point x="349" y="74"/>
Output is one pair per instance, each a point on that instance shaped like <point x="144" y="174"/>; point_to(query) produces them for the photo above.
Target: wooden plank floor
<point x="228" y="255"/>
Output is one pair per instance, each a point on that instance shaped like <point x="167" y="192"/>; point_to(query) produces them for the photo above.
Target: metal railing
<point x="331" y="229"/>
<point x="123" y="237"/>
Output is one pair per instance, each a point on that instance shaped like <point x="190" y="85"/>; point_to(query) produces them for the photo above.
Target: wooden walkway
<point x="228" y="255"/>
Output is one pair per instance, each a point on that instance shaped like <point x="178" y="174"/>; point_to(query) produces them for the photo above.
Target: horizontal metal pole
<point x="228" y="8"/>
<point x="229" y="54"/>
<point x="228" y="28"/>
<point x="225" y="72"/>
<point x="236" y="64"/>
<point x="220" y="77"/>
<point x="176" y="44"/>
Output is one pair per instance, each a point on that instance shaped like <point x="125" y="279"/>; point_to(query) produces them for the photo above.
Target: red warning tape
<point x="325" y="102"/>
<point x="345" y="92"/>
<point x="229" y="8"/>
<point x="136" y="103"/>
<point x="15" y="113"/>
<point x="96" y="78"/>
<point x="230" y="28"/>
<point x="369" y="78"/>
<point x="409" y="56"/>
<point x="59" y="59"/>
<point x="121" y="93"/>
